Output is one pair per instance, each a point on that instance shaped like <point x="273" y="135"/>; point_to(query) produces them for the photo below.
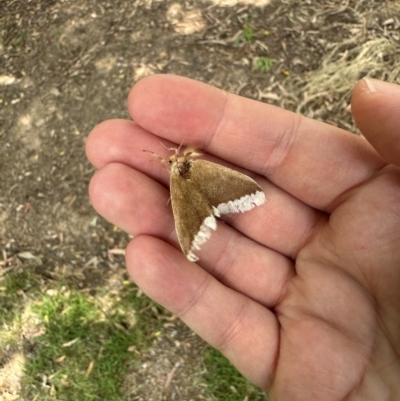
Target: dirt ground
<point x="66" y="65"/>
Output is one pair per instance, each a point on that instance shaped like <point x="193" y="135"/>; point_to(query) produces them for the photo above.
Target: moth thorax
<point x="183" y="168"/>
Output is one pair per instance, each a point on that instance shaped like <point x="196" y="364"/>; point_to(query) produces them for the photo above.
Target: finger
<point x="286" y="223"/>
<point x="112" y="141"/>
<point x="313" y="161"/>
<point x="123" y="141"/>
<point x="225" y="318"/>
<point x="132" y="201"/>
<point x="117" y="192"/>
<point x="375" y="105"/>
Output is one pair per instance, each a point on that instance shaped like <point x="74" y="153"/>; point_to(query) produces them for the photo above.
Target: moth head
<point x="172" y="160"/>
<point x="179" y="165"/>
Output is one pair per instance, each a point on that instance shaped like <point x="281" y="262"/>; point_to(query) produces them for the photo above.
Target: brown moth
<point x="202" y="190"/>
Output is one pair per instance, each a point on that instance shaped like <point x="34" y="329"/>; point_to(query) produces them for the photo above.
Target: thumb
<point x="376" y="110"/>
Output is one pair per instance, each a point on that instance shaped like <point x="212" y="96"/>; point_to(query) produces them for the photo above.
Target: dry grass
<point x="378" y="58"/>
<point x="368" y="46"/>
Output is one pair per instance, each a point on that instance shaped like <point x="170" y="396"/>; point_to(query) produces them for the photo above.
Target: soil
<point x="66" y="65"/>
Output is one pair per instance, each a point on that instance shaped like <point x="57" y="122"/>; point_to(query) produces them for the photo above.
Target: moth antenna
<point x="164" y="162"/>
<point x="176" y="150"/>
<point x="180" y="146"/>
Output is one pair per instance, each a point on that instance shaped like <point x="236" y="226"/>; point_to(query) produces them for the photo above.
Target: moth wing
<point x="227" y="190"/>
<point x="193" y="215"/>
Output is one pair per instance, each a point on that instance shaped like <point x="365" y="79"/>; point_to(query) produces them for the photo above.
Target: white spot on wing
<point x="209" y="223"/>
<point x="192" y="257"/>
<point x="243" y="204"/>
<point x="216" y="212"/>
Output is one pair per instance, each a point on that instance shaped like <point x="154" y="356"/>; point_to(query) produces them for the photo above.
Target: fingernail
<point x="375" y="85"/>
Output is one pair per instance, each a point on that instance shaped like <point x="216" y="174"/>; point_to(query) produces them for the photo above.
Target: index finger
<point x="313" y="161"/>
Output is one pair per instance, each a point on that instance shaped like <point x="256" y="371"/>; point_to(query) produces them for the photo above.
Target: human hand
<point x="302" y="293"/>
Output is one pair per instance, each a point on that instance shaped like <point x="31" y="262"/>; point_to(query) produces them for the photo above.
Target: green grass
<point x="66" y="316"/>
<point x="225" y="383"/>
<point x="247" y="35"/>
<point x="56" y="31"/>
<point x="74" y="330"/>
<point x="12" y="301"/>
<point x="248" y="32"/>
<point x="103" y="327"/>
<point x="13" y="34"/>
<point x="102" y="338"/>
<point x="264" y="64"/>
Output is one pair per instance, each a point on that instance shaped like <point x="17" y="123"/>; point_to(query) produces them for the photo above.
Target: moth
<point x="200" y="192"/>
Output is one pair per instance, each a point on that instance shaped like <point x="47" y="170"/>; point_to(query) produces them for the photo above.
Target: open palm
<point x="302" y="294"/>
